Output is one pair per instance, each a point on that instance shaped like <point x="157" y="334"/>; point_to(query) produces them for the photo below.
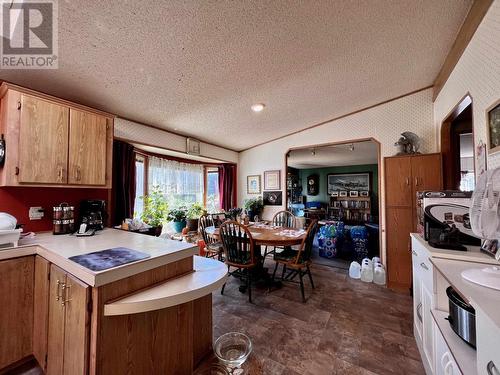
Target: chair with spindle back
<point x="213" y="248"/>
<point x="298" y="261"/>
<point x="283" y="219"/>
<point x="238" y="246"/>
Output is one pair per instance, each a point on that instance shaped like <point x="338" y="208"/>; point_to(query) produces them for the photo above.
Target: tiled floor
<point x="346" y="327"/>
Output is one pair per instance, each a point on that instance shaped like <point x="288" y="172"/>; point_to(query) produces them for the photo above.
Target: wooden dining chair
<point x="213" y="248"/>
<point x="283" y="219"/>
<point x="239" y="247"/>
<point x="298" y="262"/>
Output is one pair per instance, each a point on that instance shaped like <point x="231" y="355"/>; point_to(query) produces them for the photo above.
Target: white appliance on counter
<point x="485" y="223"/>
<point x="9" y="235"/>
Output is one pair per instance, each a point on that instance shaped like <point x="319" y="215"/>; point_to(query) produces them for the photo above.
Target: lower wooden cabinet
<point x="68" y="324"/>
<point x="16" y="309"/>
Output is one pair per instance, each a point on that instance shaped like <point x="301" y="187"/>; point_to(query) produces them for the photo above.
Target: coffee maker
<point x="93" y="214"/>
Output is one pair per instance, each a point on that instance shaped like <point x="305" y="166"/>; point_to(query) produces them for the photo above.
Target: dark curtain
<point x="227" y="186"/>
<point x="123" y="181"/>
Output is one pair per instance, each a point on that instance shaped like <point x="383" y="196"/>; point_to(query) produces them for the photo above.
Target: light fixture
<point x="259" y="107"/>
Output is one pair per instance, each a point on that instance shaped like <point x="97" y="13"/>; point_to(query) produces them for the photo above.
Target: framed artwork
<point x="193" y="146"/>
<point x="353" y="193"/>
<point x="253" y="184"/>
<point x="272" y="180"/>
<point x="343" y="193"/>
<point x="349" y="182"/>
<point x="272" y="198"/>
<point x="493" y="121"/>
<point x="313" y="184"/>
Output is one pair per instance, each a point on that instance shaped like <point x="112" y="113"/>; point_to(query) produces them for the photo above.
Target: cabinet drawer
<point x="488" y="345"/>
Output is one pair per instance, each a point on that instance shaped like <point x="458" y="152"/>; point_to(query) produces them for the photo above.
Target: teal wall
<point x="323" y="173"/>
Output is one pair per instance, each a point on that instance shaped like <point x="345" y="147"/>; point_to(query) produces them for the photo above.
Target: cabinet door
<point x="16" y="309"/>
<point x="41" y="310"/>
<point x="398" y="182"/>
<point x="417" y="301"/>
<point x="43" y="142"/>
<point x="398" y="227"/>
<point x="428" y="326"/>
<point x="87" y="148"/>
<point x="56" y="344"/>
<point x="426" y="173"/>
<point x="76" y="297"/>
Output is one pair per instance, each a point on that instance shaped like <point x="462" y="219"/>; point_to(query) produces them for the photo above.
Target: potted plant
<point x="233" y="213"/>
<point x="177" y="218"/>
<point x="254" y="206"/>
<point x="155" y="210"/>
<point x="193" y="214"/>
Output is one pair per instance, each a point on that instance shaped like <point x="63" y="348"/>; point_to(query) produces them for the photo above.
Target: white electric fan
<point x="485" y="222"/>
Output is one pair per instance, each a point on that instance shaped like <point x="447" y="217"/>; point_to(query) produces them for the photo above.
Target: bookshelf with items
<point x="351" y="210"/>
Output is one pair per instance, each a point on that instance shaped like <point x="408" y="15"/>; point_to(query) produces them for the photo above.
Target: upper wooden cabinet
<point x="53" y="142"/>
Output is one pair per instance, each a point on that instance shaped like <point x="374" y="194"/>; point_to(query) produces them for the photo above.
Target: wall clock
<point x="313" y="184"/>
<point x="2" y="150"/>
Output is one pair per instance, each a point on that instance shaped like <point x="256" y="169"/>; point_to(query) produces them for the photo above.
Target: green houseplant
<point x="193" y="214"/>
<point x="155" y="209"/>
<point x="177" y="218"/>
<point x="254" y="206"/>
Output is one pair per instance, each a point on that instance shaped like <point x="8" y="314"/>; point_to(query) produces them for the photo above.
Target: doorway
<point x="457" y="147"/>
<point x="338" y="185"/>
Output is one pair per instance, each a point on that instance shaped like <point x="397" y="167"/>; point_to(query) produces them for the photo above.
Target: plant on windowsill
<point x="177" y="218"/>
<point x="254" y="206"/>
<point x="155" y="210"/>
<point x="194" y="213"/>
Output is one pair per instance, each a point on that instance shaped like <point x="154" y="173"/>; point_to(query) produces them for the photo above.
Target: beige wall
<point x="477" y="73"/>
<point x="384" y="123"/>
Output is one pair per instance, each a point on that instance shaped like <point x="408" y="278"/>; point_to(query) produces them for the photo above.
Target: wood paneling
<point x="43" y="141"/>
<point x="87" y="148"/>
<point x="41" y="310"/>
<point x="76" y="332"/>
<point x="398" y="181"/>
<point x="56" y="345"/>
<point x="202" y="328"/>
<point x="399" y="224"/>
<point x="16" y="309"/>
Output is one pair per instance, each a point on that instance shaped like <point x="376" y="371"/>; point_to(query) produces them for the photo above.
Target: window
<point x="140" y="170"/>
<point x="212" y="199"/>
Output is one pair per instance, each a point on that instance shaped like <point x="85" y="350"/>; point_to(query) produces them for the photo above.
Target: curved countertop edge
<point x="209" y="275"/>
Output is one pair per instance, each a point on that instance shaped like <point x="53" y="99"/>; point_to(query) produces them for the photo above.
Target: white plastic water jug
<point x="366" y="261"/>
<point x="355" y="270"/>
<point x="379" y="274"/>
<point x="376" y="260"/>
<point x="367" y="272"/>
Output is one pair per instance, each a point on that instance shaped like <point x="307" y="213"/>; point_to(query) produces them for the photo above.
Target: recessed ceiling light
<point x="258" y="107"/>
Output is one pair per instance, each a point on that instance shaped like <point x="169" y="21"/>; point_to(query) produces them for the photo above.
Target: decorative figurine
<point x="408" y="144"/>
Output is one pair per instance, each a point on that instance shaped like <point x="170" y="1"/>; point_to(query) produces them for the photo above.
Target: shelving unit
<point x="464" y="355"/>
<point x="350" y="209"/>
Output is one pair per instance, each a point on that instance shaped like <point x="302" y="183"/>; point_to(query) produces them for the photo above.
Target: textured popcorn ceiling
<point x="197" y="66"/>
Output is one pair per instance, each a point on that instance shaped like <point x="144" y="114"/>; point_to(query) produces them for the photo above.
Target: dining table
<point x="268" y="235"/>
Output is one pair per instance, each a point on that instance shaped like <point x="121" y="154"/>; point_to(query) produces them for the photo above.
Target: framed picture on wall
<point x="348" y="181"/>
<point x="253" y="184"/>
<point x="272" y="198"/>
<point x="493" y="121"/>
<point x="272" y="180"/>
<point x="193" y="146"/>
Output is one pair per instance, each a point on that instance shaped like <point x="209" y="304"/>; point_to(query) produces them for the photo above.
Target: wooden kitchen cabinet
<point x="43" y="141"/>
<point x="404" y="177"/>
<point x="88" y="141"/>
<point x="68" y="324"/>
<point x="16" y="309"/>
<point x="53" y="142"/>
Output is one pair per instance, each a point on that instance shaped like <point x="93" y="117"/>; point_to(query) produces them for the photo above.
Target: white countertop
<point x="209" y="275"/>
<point x="486" y="299"/>
<point x="57" y="250"/>
<point x="473" y="253"/>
